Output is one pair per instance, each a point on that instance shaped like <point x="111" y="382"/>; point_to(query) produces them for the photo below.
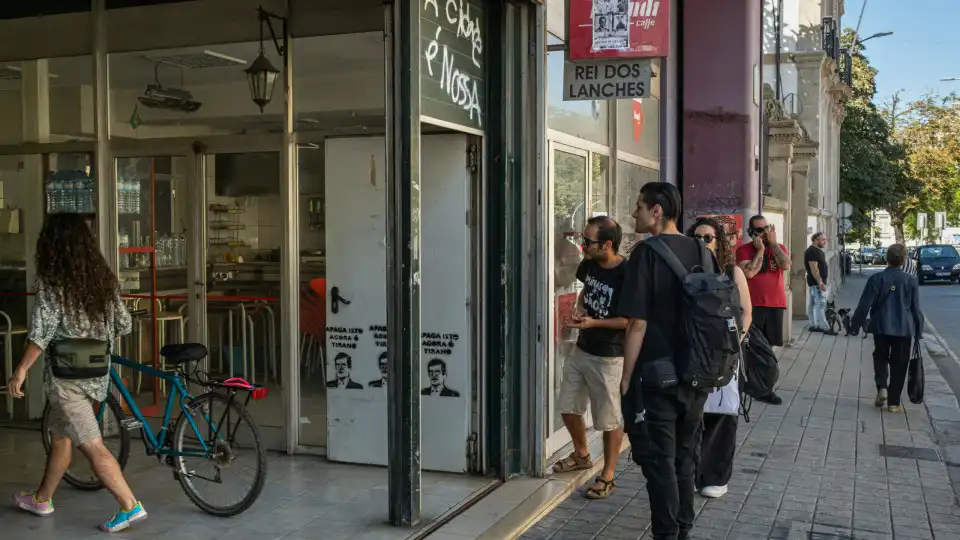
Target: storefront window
<point x="599" y="185"/>
<point x="630" y="178"/>
<point x="189" y="92"/>
<point x="569" y="202"/>
<point x="47" y="100"/>
<point x="638" y="127"/>
<point x="584" y="119"/>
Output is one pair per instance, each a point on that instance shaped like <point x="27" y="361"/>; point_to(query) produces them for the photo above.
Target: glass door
<point x="153" y="231"/>
<point x="568" y="174"/>
<point x="244" y="220"/>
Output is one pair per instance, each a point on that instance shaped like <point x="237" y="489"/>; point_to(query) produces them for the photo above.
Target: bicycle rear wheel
<point x="117" y="439"/>
<point x="236" y="451"/>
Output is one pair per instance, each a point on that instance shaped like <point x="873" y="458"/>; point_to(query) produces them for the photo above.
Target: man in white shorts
<point x="593" y="372"/>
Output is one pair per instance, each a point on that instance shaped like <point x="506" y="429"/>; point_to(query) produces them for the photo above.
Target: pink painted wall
<point x="721" y="45"/>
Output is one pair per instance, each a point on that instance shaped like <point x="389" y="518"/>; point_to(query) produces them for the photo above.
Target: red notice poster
<point x="637" y="119"/>
<point x="618" y="29"/>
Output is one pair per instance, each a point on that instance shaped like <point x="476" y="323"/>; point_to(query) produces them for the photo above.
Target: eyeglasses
<point x="707" y="238"/>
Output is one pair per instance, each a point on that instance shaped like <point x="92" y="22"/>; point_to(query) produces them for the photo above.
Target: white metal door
<point x="356" y="301"/>
<point x="445" y="306"/>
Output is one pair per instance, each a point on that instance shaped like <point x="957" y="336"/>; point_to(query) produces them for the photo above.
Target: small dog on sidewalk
<point x="844" y="315"/>
<point x="834" y="320"/>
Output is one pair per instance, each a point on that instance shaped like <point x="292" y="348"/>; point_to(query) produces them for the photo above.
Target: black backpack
<point x="710" y="311"/>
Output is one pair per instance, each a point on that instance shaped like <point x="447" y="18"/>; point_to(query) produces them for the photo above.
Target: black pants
<point x="891" y="353"/>
<point x="769" y="321"/>
<point x="664" y="444"/>
<point x="717" y="448"/>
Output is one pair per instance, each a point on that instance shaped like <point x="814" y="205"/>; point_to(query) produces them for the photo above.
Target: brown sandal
<point x="608" y="487"/>
<point x="573" y="462"/>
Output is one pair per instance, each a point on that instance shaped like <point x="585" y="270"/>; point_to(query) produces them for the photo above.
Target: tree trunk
<point x="896" y="221"/>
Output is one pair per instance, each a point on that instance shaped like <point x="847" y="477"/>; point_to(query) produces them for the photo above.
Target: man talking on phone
<point x="763" y="261"/>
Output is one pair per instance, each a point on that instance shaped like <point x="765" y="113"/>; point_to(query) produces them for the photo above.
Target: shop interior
<point x="237" y="215"/>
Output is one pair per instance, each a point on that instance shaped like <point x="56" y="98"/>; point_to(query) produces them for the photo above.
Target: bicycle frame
<point x="155" y="442"/>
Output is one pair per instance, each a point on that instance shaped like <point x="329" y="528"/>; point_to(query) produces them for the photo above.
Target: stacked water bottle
<point x="128" y="195"/>
<point x="70" y="192"/>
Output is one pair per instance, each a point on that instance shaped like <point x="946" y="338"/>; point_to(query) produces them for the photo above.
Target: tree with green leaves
<point x="873" y="166"/>
<point x="929" y="129"/>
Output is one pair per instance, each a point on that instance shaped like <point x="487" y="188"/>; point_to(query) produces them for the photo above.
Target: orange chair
<point x="313" y="326"/>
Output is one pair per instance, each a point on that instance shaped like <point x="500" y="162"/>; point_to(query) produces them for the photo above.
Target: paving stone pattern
<point x="810" y="468"/>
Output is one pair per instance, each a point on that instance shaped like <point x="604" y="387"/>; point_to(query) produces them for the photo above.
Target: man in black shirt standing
<point x="594" y="370"/>
<point x="662" y="423"/>
<point x="815" y="263"/>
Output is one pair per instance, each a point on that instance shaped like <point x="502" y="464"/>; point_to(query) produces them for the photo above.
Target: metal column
<point x="105" y="171"/>
<point x="290" y="257"/>
<point x="402" y="24"/>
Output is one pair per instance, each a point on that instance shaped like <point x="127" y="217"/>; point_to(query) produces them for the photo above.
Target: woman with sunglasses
<point x="719" y="440"/>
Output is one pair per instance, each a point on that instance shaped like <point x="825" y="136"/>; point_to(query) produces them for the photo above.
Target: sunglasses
<point x="589" y="241"/>
<point x="707" y="238"/>
<point x="760" y="230"/>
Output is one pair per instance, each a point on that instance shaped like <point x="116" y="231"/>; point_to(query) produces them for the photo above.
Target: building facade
<point x="804" y="100"/>
<point x="390" y="242"/>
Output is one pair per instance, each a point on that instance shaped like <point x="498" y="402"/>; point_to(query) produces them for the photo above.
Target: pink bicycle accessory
<point x="256" y="392"/>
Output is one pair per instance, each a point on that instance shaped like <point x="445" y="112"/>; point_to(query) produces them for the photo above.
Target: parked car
<point x="937" y="262"/>
<point x="880" y="256"/>
<point x="865" y="255"/>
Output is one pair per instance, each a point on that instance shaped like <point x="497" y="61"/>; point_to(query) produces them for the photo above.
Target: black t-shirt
<point x="601" y="295"/>
<point x="815" y="254"/>
<point x="652" y="292"/>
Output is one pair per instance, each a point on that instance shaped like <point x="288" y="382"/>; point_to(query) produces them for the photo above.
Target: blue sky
<point x="924" y="48"/>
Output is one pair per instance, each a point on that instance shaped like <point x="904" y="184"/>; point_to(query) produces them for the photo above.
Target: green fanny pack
<point x="80" y="358"/>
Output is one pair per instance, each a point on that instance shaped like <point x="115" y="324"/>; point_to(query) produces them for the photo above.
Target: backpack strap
<point x="661" y="248"/>
<point x="706" y="257"/>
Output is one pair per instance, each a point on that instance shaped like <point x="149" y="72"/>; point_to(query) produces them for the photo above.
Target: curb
<point x="950" y="453"/>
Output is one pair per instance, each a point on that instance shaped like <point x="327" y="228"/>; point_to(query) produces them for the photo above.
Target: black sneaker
<point x="814" y="329"/>
<point x="771" y="399"/>
<point x="829" y="332"/>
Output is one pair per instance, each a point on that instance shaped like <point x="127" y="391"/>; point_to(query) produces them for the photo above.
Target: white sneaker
<point x="714" y="492"/>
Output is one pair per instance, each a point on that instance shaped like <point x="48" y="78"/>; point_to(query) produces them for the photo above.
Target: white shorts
<point x="594" y="380"/>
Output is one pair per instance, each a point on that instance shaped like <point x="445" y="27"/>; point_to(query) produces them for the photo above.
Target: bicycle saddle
<point x="179" y="353"/>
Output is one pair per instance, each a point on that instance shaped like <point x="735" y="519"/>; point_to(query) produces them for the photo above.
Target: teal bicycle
<point x="213" y="430"/>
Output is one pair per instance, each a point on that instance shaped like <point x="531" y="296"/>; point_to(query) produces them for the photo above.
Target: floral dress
<point x="51" y="322"/>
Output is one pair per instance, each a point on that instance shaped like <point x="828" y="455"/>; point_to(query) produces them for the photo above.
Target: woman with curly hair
<point x="720" y="412"/>
<point x="77" y="301"/>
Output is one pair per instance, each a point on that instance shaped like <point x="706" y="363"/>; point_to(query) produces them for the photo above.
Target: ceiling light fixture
<point x="261" y="75"/>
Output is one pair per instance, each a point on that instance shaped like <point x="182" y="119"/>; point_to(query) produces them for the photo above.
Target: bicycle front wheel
<point x="117" y="440"/>
<point x="224" y="475"/>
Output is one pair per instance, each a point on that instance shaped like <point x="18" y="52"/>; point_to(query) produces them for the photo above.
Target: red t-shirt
<point x="766" y="288"/>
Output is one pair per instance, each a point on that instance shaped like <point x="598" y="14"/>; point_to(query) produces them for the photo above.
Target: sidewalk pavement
<point x="826" y="464"/>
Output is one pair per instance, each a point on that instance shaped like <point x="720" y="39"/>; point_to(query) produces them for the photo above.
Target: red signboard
<point x="618" y="29"/>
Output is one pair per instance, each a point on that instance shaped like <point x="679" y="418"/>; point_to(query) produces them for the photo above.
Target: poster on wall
<point x="618" y="29"/>
<point x="356" y="332"/>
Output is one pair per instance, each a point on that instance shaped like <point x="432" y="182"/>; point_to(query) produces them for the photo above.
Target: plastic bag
<point x="760" y="367"/>
<point x="915" y="379"/>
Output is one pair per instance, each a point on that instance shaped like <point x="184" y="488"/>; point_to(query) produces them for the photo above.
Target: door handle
<point x="336" y="300"/>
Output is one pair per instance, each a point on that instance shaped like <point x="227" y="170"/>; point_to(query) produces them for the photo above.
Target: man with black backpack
<point x="681" y="342"/>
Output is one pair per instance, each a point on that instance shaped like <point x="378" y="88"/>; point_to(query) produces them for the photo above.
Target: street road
<point x="940" y="303"/>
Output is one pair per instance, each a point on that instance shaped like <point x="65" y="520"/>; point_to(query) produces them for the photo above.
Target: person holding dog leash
<point x="892" y="299"/>
<point x="816" y="266"/>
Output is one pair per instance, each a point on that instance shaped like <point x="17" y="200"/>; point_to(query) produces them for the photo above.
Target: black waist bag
<point x="79" y="358"/>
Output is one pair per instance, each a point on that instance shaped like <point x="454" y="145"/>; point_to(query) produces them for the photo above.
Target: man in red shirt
<point x="764" y="261"/>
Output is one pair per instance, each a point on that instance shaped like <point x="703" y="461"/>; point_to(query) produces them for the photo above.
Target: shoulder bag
<point x="79" y="358"/>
